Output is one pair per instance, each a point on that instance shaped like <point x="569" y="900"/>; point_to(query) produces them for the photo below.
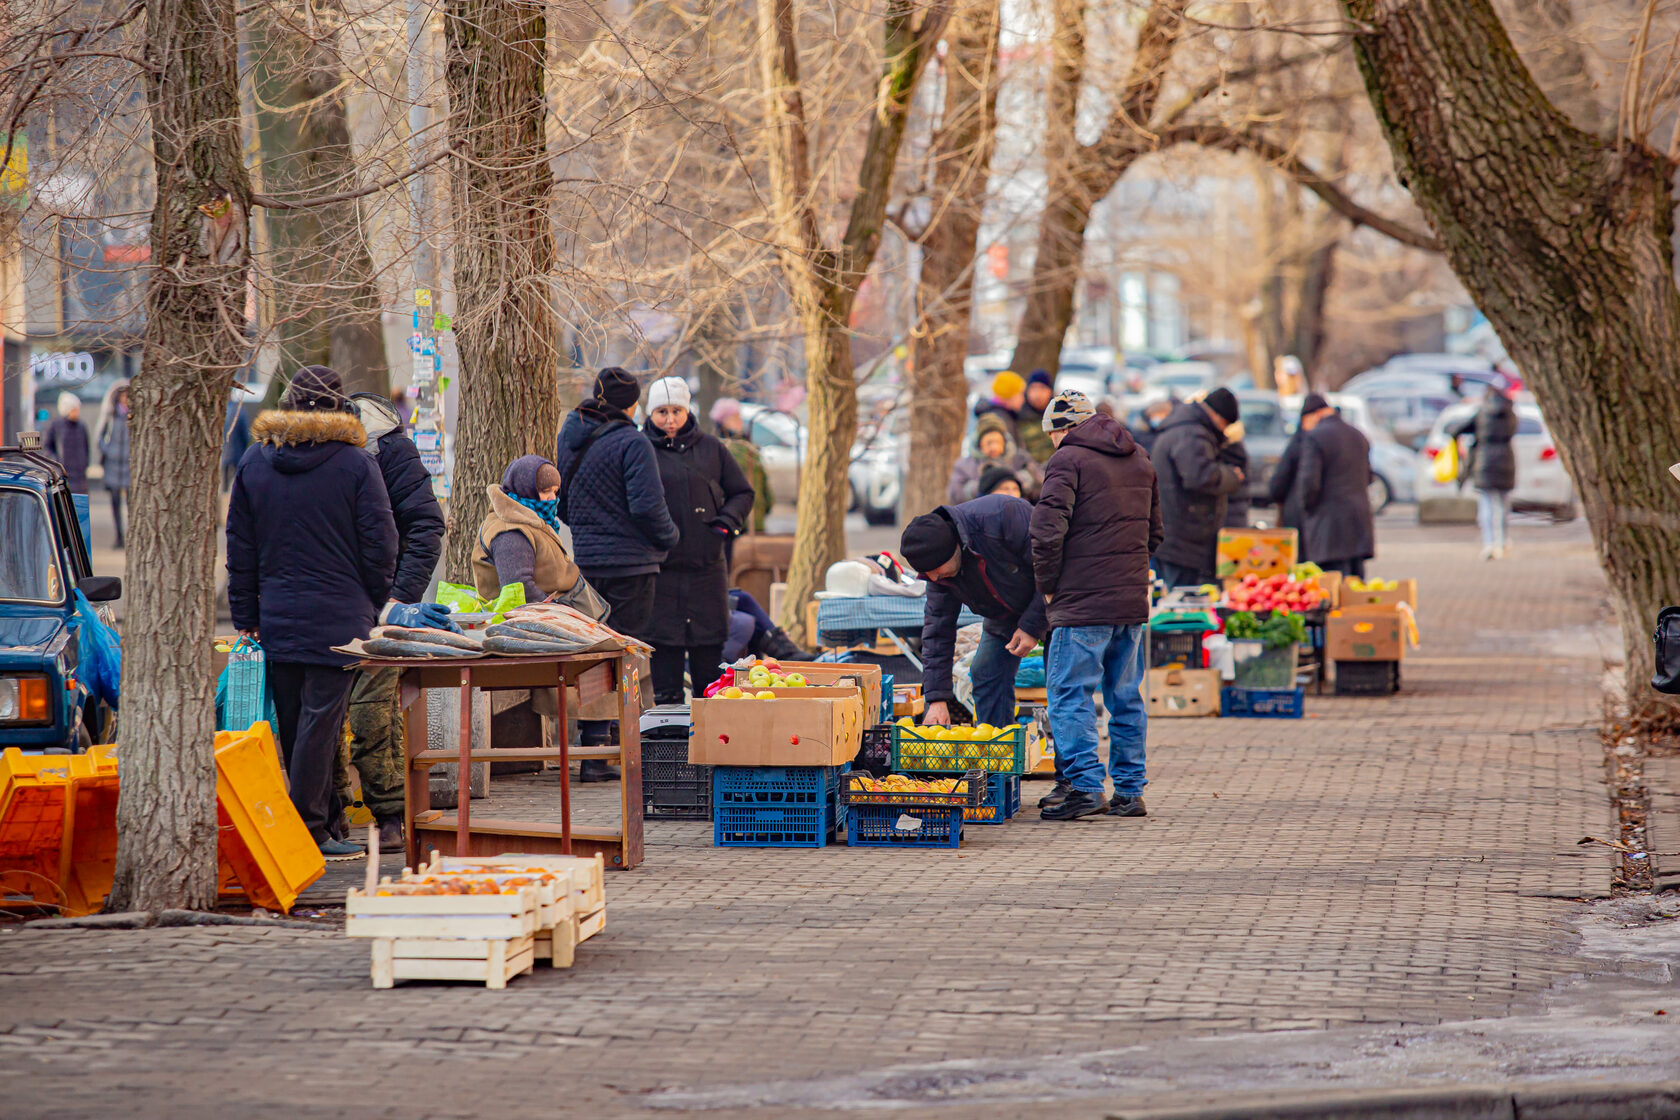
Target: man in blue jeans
<point x="1097" y="520"/>
<point x="977" y="555"/>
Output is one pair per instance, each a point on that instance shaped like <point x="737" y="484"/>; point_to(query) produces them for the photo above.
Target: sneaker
<point x="1499" y="553"/>
<point x="596" y="770"/>
<point x="1078" y="803"/>
<point x="1487" y="552"/>
<point x="391" y="835"/>
<point x="340" y="849"/>
<point x="1127" y="807"/>
<point x="1057" y="794"/>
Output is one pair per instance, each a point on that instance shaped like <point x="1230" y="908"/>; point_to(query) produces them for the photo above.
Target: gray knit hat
<point x="1068" y="409"/>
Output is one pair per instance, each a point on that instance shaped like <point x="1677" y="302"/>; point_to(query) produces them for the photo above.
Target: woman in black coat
<point x="710" y="500"/>
<point x="1493" y="467"/>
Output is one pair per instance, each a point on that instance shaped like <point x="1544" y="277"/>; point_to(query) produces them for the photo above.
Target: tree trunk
<point x="195" y="339"/>
<point x="1564" y="240"/>
<point x="962" y="158"/>
<point x="326" y="303"/>
<point x="507" y="331"/>
<point x="1309" y="328"/>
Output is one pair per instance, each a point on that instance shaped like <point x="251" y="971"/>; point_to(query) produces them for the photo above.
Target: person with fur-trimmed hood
<point x="311" y="555"/>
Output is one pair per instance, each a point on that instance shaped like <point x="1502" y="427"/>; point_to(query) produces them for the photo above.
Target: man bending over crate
<point x="1097" y="520"/>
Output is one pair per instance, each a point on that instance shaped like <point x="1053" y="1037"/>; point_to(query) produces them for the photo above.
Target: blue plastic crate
<point x="877" y="826"/>
<point x="1263" y="703"/>
<point x="775" y="785"/>
<point x="1003" y="801"/>
<point x="777" y="806"/>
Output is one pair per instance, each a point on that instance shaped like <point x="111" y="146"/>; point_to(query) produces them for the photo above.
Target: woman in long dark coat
<point x="1493" y="467"/>
<point x="710" y="500"/>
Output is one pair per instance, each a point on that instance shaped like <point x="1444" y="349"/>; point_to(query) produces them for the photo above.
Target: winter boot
<point x="778" y="646"/>
<point x="596" y="770"/>
<point x="1078" y="803"/>
<point x="1057" y="794"/>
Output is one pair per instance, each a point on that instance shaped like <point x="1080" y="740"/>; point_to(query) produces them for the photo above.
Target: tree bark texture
<point x="962" y="159"/>
<point x="326" y="302"/>
<point x="195" y="340"/>
<point x="1564" y="240"/>
<point x="506" y="327"/>
<point x="823" y="279"/>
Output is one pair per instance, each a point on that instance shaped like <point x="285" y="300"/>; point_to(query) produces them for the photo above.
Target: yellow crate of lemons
<point x="967" y="791"/>
<point x="1000" y="750"/>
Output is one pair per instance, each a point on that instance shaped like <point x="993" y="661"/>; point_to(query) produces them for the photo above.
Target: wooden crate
<point x="558" y="945"/>
<point x="590" y="886"/>
<point x="555" y="900"/>
<point x="493" y="962"/>
<point x="480" y="937"/>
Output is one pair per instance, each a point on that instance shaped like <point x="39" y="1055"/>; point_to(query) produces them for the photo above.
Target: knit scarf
<point x="549" y="511"/>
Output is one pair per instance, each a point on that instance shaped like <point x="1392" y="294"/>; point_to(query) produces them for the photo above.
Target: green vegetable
<point x="1277" y="630"/>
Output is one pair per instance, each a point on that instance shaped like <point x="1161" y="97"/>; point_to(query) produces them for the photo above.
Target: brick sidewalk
<point x="1396" y="861"/>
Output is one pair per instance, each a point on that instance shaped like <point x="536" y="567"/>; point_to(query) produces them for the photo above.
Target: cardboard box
<point x="1405" y="593"/>
<point x="801" y="727"/>
<point x="1331" y="582"/>
<point x="1365" y="634"/>
<point x="1179" y="693"/>
<point x="824" y="674"/>
<point x="1261" y="552"/>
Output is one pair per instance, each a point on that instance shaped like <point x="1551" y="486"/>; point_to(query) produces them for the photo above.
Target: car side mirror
<point x="100" y="589"/>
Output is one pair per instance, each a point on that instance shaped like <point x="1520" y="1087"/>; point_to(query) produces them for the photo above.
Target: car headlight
<point x="25" y="700"/>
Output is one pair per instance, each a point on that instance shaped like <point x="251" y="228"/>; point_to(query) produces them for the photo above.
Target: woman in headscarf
<point x="710" y="500"/>
<point x="519" y="541"/>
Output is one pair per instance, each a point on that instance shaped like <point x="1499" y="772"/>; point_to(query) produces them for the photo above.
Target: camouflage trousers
<point x="373" y="744"/>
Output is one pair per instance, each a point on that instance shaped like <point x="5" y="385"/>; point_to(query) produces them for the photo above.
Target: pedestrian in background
<point x="1281" y="489"/>
<point x="999" y="480"/>
<point x="311" y="555"/>
<point x="726" y="415"/>
<point x="1153" y="416"/>
<point x="612" y="499"/>
<point x="236" y="435"/>
<point x="1093" y="531"/>
<point x="710" y="500"/>
<point x="1334" y="480"/>
<point x="375" y="742"/>
<point x="1195" y="487"/>
<point x="66" y="439"/>
<point x="993" y="447"/>
<point x="1029" y="429"/>
<point x="1009" y="396"/>
<point x="1234" y="453"/>
<point x="114" y="451"/>
<point x="1492" y="466"/>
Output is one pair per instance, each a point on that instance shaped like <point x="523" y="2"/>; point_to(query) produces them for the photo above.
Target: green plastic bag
<point x="460" y="599"/>
<point x="512" y="595"/>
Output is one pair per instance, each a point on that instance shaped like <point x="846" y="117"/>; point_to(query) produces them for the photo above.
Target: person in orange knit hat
<point x="1009" y="393"/>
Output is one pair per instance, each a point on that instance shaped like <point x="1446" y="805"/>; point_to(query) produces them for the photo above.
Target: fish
<point x="546" y="630"/>
<point x="391" y="647"/>
<point x="503" y="643"/>
<point x="428" y="635"/>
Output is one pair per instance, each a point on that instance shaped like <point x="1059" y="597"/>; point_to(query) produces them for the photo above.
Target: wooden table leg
<point x="565" y="765"/>
<point x="417" y="786"/>
<point x="463" y="778"/>
<point x="630" y="758"/>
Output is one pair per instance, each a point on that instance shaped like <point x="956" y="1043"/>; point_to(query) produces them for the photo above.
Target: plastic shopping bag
<point x="98" y="654"/>
<point x="242" y="693"/>
<point x="1446" y="463"/>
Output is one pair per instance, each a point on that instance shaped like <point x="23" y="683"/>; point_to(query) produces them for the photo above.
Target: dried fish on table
<point x="428" y="635"/>
<point x="511" y="643"/>
<point x="414" y="651"/>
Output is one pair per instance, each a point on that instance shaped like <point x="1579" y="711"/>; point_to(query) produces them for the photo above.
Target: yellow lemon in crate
<point x="985" y="731"/>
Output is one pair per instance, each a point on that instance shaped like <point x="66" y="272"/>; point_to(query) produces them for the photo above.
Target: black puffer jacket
<point x="1493" y="427"/>
<point x="995" y="581"/>
<point x="615" y="506"/>
<point x="311" y="544"/>
<point x="1282" y="490"/>
<point x="710" y="500"/>
<point x="1094" y="527"/>
<point x="1333" y="479"/>
<point x="1194" y="487"/>
<point x="419" y="517"/>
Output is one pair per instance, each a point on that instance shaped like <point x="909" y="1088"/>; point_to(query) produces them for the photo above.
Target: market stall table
<point x="593" y="675"/>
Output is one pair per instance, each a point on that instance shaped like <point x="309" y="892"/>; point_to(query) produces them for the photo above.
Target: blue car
<point x="44" y="706"/>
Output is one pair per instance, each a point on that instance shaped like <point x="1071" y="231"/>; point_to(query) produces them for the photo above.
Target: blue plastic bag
<point x="243" y="696"/>
<point x="98" y="654"/>
<point x="1031" y="673"/>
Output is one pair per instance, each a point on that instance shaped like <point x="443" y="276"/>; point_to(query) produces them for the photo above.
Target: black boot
<point x="596" y="770"/>
<point x="779" y="647"/>
<point x="1078" y="803"/>
<point x="1057" y="794"/>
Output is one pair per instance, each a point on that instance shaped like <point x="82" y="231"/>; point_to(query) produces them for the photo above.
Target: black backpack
<point x="1667" y="638"/>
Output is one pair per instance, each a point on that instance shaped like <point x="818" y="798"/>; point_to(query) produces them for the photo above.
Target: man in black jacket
<point x="1195" y="486"/>
<point x="977" y="555"/>
<point x="375" y="747"/>
<point x="1334" y="478"/>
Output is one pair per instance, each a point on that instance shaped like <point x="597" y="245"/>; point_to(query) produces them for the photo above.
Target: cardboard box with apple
<point x="1368" y="633"/>
<point x="788" y="727"/>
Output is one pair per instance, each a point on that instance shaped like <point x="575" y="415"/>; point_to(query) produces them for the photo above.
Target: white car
<point x="1542" y="483"/>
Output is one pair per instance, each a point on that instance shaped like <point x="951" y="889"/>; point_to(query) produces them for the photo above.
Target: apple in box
<point x="1273" y="593"/>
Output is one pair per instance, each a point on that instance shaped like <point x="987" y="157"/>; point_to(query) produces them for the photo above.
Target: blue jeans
<point x="1493" y="508"/>
<point x="993" y="673"/>
<point x="1083" y="658"/>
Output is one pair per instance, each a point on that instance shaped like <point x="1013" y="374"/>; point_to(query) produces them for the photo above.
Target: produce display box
<point x="586" y="916"/>
<point x="1178" y="647"/>
<point x="840" y="674"/>
<point x="672" y="787"/>
<point x="1367" y="678"/>
<point x="891" y="826"/>
<point x="1003" y="801"/>
<point x="800" y="727"/>
<point x="487" y="938"/>
<point x="777" y="806"/>
<point x="1182" y="693"/>
<point x="974" y="792"/>
<point x="1261" y="552"/>
<point x="1365" y="634"/>
<point x="1013" y="752"/>
<point x="1263" y="703"/>
<point x="1404" y="591"/>
<point x="1265" y="667"/>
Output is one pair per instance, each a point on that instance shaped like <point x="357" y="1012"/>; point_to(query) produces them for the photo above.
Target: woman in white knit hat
<point x="710" y="499"/>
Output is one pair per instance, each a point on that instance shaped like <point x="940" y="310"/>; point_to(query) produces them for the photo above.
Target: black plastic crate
<point x="1177" y="647"/>
<point x="875" y="755"/>
<point x="673" y="788"/>
<point x="1367" y="678"/>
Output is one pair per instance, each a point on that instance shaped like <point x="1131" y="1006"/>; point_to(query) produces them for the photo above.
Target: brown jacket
<point x="554" y="571"/>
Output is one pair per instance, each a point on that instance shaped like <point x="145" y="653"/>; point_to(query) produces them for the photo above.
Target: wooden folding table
<point x="594" y="675"/>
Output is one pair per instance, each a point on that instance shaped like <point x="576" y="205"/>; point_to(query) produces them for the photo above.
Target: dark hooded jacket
<point x="1094" y="527"/>
<point x="1281" y="488"/>
<point x="995" y="581"/>
<point x="615" y="505"/>
<point x="311" y="544"/>
<point x="419" y="517"/>
<point x="1194" y="485"/>
<point x="1334" y="481"/>
<point x="1493" y="464"/>
<point x="710" y="500"/>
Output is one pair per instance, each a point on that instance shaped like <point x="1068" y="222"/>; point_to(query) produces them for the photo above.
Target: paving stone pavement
<point x="1405" y="860"/>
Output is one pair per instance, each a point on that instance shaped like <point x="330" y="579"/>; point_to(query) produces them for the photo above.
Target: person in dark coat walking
<point x="1195" y="487"/>
<point x="613" y="501"/>
<point x="66" y="439"/>
<point x="1334" y="480"/>
<point x="311" y="553"/>
<point x="1093" y="530"/>
<point x="1234" y="453"/>
<point x="375" y="717"/>
<point x="710" y="500"/>
<point x="976" y="554"/>
<point x="114" y="451"/>
<point x="1154" y="415"/>
<point x="1493" y="467"/>
<point x="1280" y="486"/>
